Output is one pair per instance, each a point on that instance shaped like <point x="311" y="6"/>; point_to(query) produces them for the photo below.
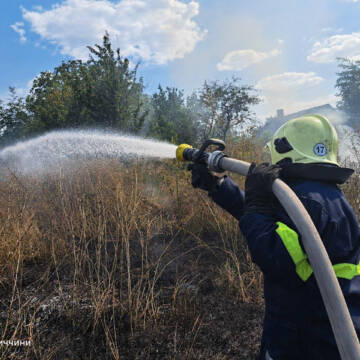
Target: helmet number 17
<point x="320" y="149"/>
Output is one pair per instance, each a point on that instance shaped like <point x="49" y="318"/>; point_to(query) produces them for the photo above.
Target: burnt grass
<point x="207" y="320"/>
<point x="125" y="263"/>
<point x="90" y="269"/>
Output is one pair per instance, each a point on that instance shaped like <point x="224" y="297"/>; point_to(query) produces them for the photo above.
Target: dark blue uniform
<point x="296" y="324"/>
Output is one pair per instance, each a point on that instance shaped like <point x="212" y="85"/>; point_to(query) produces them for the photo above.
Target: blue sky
<point x="287" y="49"/>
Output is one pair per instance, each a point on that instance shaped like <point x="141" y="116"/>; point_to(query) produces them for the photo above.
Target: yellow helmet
<point x="307" y="139"/>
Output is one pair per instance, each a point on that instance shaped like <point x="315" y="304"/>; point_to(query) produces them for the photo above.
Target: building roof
<point x="273" y="123"/>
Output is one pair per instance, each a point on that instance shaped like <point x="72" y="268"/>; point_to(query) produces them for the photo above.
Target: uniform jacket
<point x="296" y="325"/>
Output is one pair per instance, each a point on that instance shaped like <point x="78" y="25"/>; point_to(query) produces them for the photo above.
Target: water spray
<point x="64" y="149"/>
<point x="339" y="316"/>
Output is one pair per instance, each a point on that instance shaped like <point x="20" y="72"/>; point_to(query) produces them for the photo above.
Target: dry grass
<point x="117" y="261"/>
<point x="126" y="261"/>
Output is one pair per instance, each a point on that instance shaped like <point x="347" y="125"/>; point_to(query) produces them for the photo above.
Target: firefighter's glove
<point x="258" y="189"/>
<point x="202" y="178"/>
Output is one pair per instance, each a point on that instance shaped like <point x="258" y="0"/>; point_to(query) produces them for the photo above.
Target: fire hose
<point x="333" y="298"/>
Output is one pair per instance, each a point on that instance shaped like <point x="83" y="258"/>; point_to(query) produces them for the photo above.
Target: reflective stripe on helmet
<point x="304" y="270"/>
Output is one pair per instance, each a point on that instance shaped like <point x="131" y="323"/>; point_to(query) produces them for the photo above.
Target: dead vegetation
<point x="119" y="261"/>
<point x="116" y="261"/>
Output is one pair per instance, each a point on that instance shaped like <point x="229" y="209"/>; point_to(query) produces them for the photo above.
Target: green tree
<point x="50" y="100"/>
<point x="13" y="117"/>
<point x="171" y="119"/>
<point x="229" y="107"/>
<point x="348" y="85"/>
<point x="102" y="92"/>
<point x="117" y="90"/>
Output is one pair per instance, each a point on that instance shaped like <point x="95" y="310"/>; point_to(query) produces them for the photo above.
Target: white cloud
<point x="18" y="27"/>
<point x="240" y="59"/>
<point x="332" y="30"/>
<point x="288" y="80"/>
<point x="345" y="45"/>
<point x="155" y="31"/>
<point x="21" y="91"/>
<point x="3" y="96"/>
<point x="327" y="29"/>
<point x="24" y="91"/>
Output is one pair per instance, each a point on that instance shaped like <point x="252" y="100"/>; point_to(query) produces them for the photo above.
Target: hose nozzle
<point x="180" y="152"/>
<point x="186" y="152"/>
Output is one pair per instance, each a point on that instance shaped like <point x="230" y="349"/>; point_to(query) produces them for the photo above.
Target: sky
<point x="286" y="49"/>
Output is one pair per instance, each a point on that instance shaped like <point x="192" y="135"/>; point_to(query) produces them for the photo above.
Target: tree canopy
<point x="171" y="118"/>
<point x="103" y="92"/>
<point x="228" y="106"/>
<point x="13" y="117"/>
<point x="106" y="92"/>
<point x="348" y="85"/>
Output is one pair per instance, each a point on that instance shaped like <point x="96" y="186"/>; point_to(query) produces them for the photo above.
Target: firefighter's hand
<point x="202" y="178"/>
<point x="258" y="189"/>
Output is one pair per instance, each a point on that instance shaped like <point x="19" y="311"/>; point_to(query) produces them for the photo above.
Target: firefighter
<point x="304" y="155"/>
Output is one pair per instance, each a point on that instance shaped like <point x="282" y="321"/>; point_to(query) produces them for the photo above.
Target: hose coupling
<point x="214" y="160"/>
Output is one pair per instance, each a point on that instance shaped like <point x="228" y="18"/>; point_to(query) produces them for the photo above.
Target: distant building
<point x="280" y="113"/>
<point x="273" y="123"/>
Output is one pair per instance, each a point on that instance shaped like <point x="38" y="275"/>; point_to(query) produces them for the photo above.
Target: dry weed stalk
<point x="97" y="255"/>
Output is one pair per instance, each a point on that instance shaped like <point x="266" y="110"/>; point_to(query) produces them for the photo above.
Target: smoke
<point x="349" y="145"/>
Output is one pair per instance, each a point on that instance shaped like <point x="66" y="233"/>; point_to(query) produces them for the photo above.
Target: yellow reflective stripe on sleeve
<point x="290" y="240"/>
<point x="304" y="270"/>
<point x="347" y="271"/>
